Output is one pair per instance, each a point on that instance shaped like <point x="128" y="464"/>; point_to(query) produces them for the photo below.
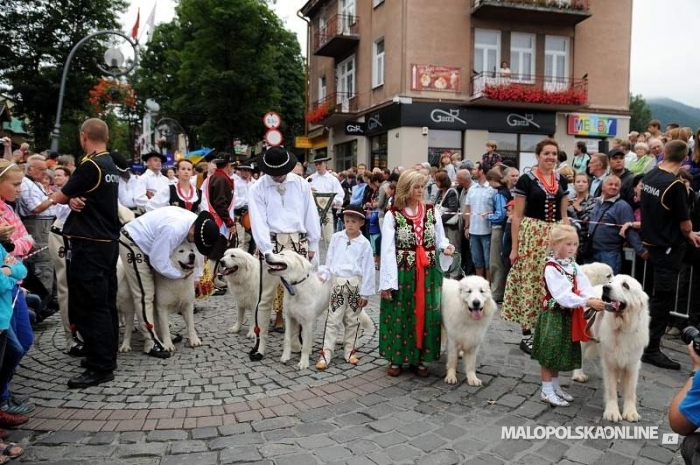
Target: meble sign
<point x="591" y="125"/>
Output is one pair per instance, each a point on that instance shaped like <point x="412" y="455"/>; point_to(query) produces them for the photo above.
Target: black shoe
<point x="159" y="352"/>
<point x="660" y="360"/>
<point x="526" y="345"/>
<point x="78" y="350"/>
<point x="177" y="339"/>
<point x="90" y="378"/>
<point x="219" y="291"/>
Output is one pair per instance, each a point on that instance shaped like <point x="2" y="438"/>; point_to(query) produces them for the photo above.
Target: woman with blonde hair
<point x="413" y="244"/>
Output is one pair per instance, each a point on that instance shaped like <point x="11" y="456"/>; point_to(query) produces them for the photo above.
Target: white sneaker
<point x="563" y="394"/>
<point x="553" y="400"/>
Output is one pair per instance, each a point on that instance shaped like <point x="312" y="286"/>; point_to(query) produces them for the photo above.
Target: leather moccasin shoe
<point x="90" y="378"/>
<point x="393" y="370"/>
<point x="660" y="360"/>
<point x="10" y="420"/>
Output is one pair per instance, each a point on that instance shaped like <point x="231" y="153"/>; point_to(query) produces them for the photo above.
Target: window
<point x="322" y="88"/>
<point x="522" y="57"/>
<point x="376" y="3"/>
<point x="346" y="80"/>
<point x="556" y="61"/>
<point x="346" y="10"/>
<point x="487" y="50"/>
<point x="346" y="155"/>
<point x="378" y="64"/>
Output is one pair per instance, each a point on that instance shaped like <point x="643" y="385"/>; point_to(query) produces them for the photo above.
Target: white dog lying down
<point x="597" y="273"/>
<point x="623" y="335"/>
<point x="467" y="309"/>
<point x="171" y="296"/>
<point x="241" y="271"/>
<point x="309" y="300"/>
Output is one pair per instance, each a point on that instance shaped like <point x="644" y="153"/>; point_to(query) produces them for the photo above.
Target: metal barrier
<point x="630" y="255"/>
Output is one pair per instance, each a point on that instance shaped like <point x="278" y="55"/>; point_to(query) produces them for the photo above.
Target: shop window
<point x="518" y="148"/>
<point x="345" y="155"/>
<point x="379" y="151"/>
<point x="442" y="142"/>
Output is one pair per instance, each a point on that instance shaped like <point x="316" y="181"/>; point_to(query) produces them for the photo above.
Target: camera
<point x="692" y="334"/>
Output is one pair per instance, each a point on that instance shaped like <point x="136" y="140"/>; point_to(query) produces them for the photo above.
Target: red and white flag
<point x="151" y="24"/>
<point x="135" y="29"/>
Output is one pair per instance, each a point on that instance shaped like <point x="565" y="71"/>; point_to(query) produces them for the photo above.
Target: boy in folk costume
<point x="220" y="201"/>
<point x="350" y="265"/>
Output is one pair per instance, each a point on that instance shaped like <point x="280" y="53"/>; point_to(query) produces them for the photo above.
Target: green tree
<point x="641" y="113"/>
<point x="220" y="66"/>
<point x="35" y="40"/>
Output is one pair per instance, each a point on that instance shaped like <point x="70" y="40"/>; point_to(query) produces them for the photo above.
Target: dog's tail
<point x="366" y="322"/>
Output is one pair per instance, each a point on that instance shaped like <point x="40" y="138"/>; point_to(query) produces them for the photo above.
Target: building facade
<point x="397" y="82"/>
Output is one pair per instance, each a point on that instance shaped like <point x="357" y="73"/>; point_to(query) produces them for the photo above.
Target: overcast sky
<point x="663" y="37"/>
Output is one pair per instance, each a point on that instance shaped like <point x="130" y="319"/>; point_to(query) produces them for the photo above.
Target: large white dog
<point x="307" y="298"/>
<point x="597" y="273"/>
<point x="171" y="296"/>
<point x="241" y="271"/>
<point x="467" y="309"/>
<point x="623" y="335"/>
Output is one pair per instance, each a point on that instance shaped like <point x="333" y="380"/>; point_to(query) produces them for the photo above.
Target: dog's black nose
<point x="606" y="288"/>
<point x="191" y="256"/>
<point x="476" y="304"/>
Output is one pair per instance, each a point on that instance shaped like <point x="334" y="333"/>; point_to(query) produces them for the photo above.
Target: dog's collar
<point x="290" y="286"/>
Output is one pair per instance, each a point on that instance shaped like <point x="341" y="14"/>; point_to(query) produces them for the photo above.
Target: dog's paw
<point x="169" y="346"/>
<point x="631" y="415"/>
<point x="612" y="414"/>
<point x="235" y="328"/>
<point x="579" y="376"/>
<point x="195" y="342"/>
<point x="285" y="356"/>
<point x="472" y="380"/>
<point x="125" y="348"/>
<point x="451" y="377"/>
<point x="251" y="333"/>
<point x="303" y="364"/>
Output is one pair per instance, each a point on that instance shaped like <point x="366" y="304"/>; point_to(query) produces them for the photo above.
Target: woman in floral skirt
<point x="410" y="281"/>
<point x="541" y="200"/>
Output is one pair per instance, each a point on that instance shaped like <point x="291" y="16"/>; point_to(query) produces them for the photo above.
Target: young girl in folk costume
<point x="350" y="265"/>
<point x="560" y="324"/>
<point x="413" y="246"/>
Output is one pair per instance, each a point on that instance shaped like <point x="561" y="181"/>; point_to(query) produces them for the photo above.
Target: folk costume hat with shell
<point x="276" y="161"/>
<point x="205" y="233"/>
<point x="354" y="210"/>
<point x="146" y="156"/>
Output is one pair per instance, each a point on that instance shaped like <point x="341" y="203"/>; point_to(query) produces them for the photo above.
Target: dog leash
<point x="256" y="356"/>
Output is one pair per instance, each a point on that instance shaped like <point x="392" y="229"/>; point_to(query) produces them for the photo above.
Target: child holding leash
<point x="350" y="265"/>
<point x="560" y="324"/>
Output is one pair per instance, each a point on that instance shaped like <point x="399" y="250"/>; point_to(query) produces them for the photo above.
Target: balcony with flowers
<point x="110" y="93"/>
<point x="337" y="36"/>
<point x="532" y="91"/>
<point x="561" y="12"/>
<point x="333" y="109"/>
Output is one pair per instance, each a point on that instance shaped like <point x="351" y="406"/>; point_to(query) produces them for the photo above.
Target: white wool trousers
<point x="343" y="317"/>
<point x="57" y="252"/>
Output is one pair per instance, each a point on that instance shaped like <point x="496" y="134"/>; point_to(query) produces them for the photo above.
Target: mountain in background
<point x="667" y="111"/>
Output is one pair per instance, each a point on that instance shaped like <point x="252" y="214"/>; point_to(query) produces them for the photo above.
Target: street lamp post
<point x="113" y="60"/>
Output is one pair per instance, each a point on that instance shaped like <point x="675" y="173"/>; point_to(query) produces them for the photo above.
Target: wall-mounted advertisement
<point x="435" y="78"/>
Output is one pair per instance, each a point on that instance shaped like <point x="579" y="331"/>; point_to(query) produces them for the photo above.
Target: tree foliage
<point x="36" y="39"/>
<point x="219" y="66"/>
<point x="641" y="113"/>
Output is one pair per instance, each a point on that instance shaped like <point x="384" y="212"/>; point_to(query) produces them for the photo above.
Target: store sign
<point x="381" y="121"/>
<point x="355" y="129"/>
<point x="435" y="116"/>
<point x="435" y="78"/>
<point x="591" y="125"/>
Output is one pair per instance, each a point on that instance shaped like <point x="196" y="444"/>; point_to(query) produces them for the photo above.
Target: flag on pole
<point x="135" y="29"/>
<point x="151" y="23"/>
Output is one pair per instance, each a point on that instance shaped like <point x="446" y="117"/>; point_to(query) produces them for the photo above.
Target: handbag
<point x="585" y="238"/>
<point x="454" y="219"/>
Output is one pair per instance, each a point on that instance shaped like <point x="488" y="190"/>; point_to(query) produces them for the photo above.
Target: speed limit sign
<point x="272" y="120"/>
<point x="273" y="137"/>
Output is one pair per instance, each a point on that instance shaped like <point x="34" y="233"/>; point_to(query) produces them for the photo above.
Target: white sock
<point x="547" y="388"/>
<point x="555" y="384"/>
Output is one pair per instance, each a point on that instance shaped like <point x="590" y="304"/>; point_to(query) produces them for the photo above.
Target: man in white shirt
<point x="145" y="247"/>
<point x="152" y="178"/>
<point x="132" y="191"/>
<point x="242" y="182"/>
<point x="283" y="217"/>
<point x="477" y="228"/>
<point x="38" y="213"/>
<point x="323" y="182"/>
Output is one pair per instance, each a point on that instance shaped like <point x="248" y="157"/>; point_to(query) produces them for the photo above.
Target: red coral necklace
<point x="552" y="186"/>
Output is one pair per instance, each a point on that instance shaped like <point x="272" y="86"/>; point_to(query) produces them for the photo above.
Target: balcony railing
<point x="338" y="35"/>
<point x="530" y="89"/>
<point x="334" y="107"/>
<point x="564" y="12"/>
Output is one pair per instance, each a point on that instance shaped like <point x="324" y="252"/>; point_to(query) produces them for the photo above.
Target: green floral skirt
<point x="552" y="346"/>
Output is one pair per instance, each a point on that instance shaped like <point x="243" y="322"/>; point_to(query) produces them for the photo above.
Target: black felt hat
<point x="206" y="232"/>
<point x="276" y="161"/>
<point x="146" y="156"/>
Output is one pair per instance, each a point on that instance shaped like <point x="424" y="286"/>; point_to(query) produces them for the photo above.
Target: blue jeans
<point x="480" y="245"/>
<point x="612" y="258"/>
<point x="20" y="338"/>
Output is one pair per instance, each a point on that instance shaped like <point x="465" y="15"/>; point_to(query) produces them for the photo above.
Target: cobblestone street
<point x="212" y="405"/>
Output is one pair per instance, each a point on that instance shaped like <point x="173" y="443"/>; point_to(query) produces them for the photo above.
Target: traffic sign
<point x="272" y="120"/>
<point x="273" y="137"/>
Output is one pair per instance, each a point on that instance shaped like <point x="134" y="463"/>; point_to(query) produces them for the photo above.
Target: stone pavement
<point x="212" y="405"/>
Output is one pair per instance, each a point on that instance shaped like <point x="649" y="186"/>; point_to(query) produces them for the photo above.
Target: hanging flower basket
<point x="531" y="94"/>
<point x="108" y="93"/>
<point x="320" y="113"/>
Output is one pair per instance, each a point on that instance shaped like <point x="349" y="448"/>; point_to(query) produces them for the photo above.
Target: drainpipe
<point x="301" y="16"/>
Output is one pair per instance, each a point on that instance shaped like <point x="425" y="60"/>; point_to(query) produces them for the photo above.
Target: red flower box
<point x="532" y="94"/>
